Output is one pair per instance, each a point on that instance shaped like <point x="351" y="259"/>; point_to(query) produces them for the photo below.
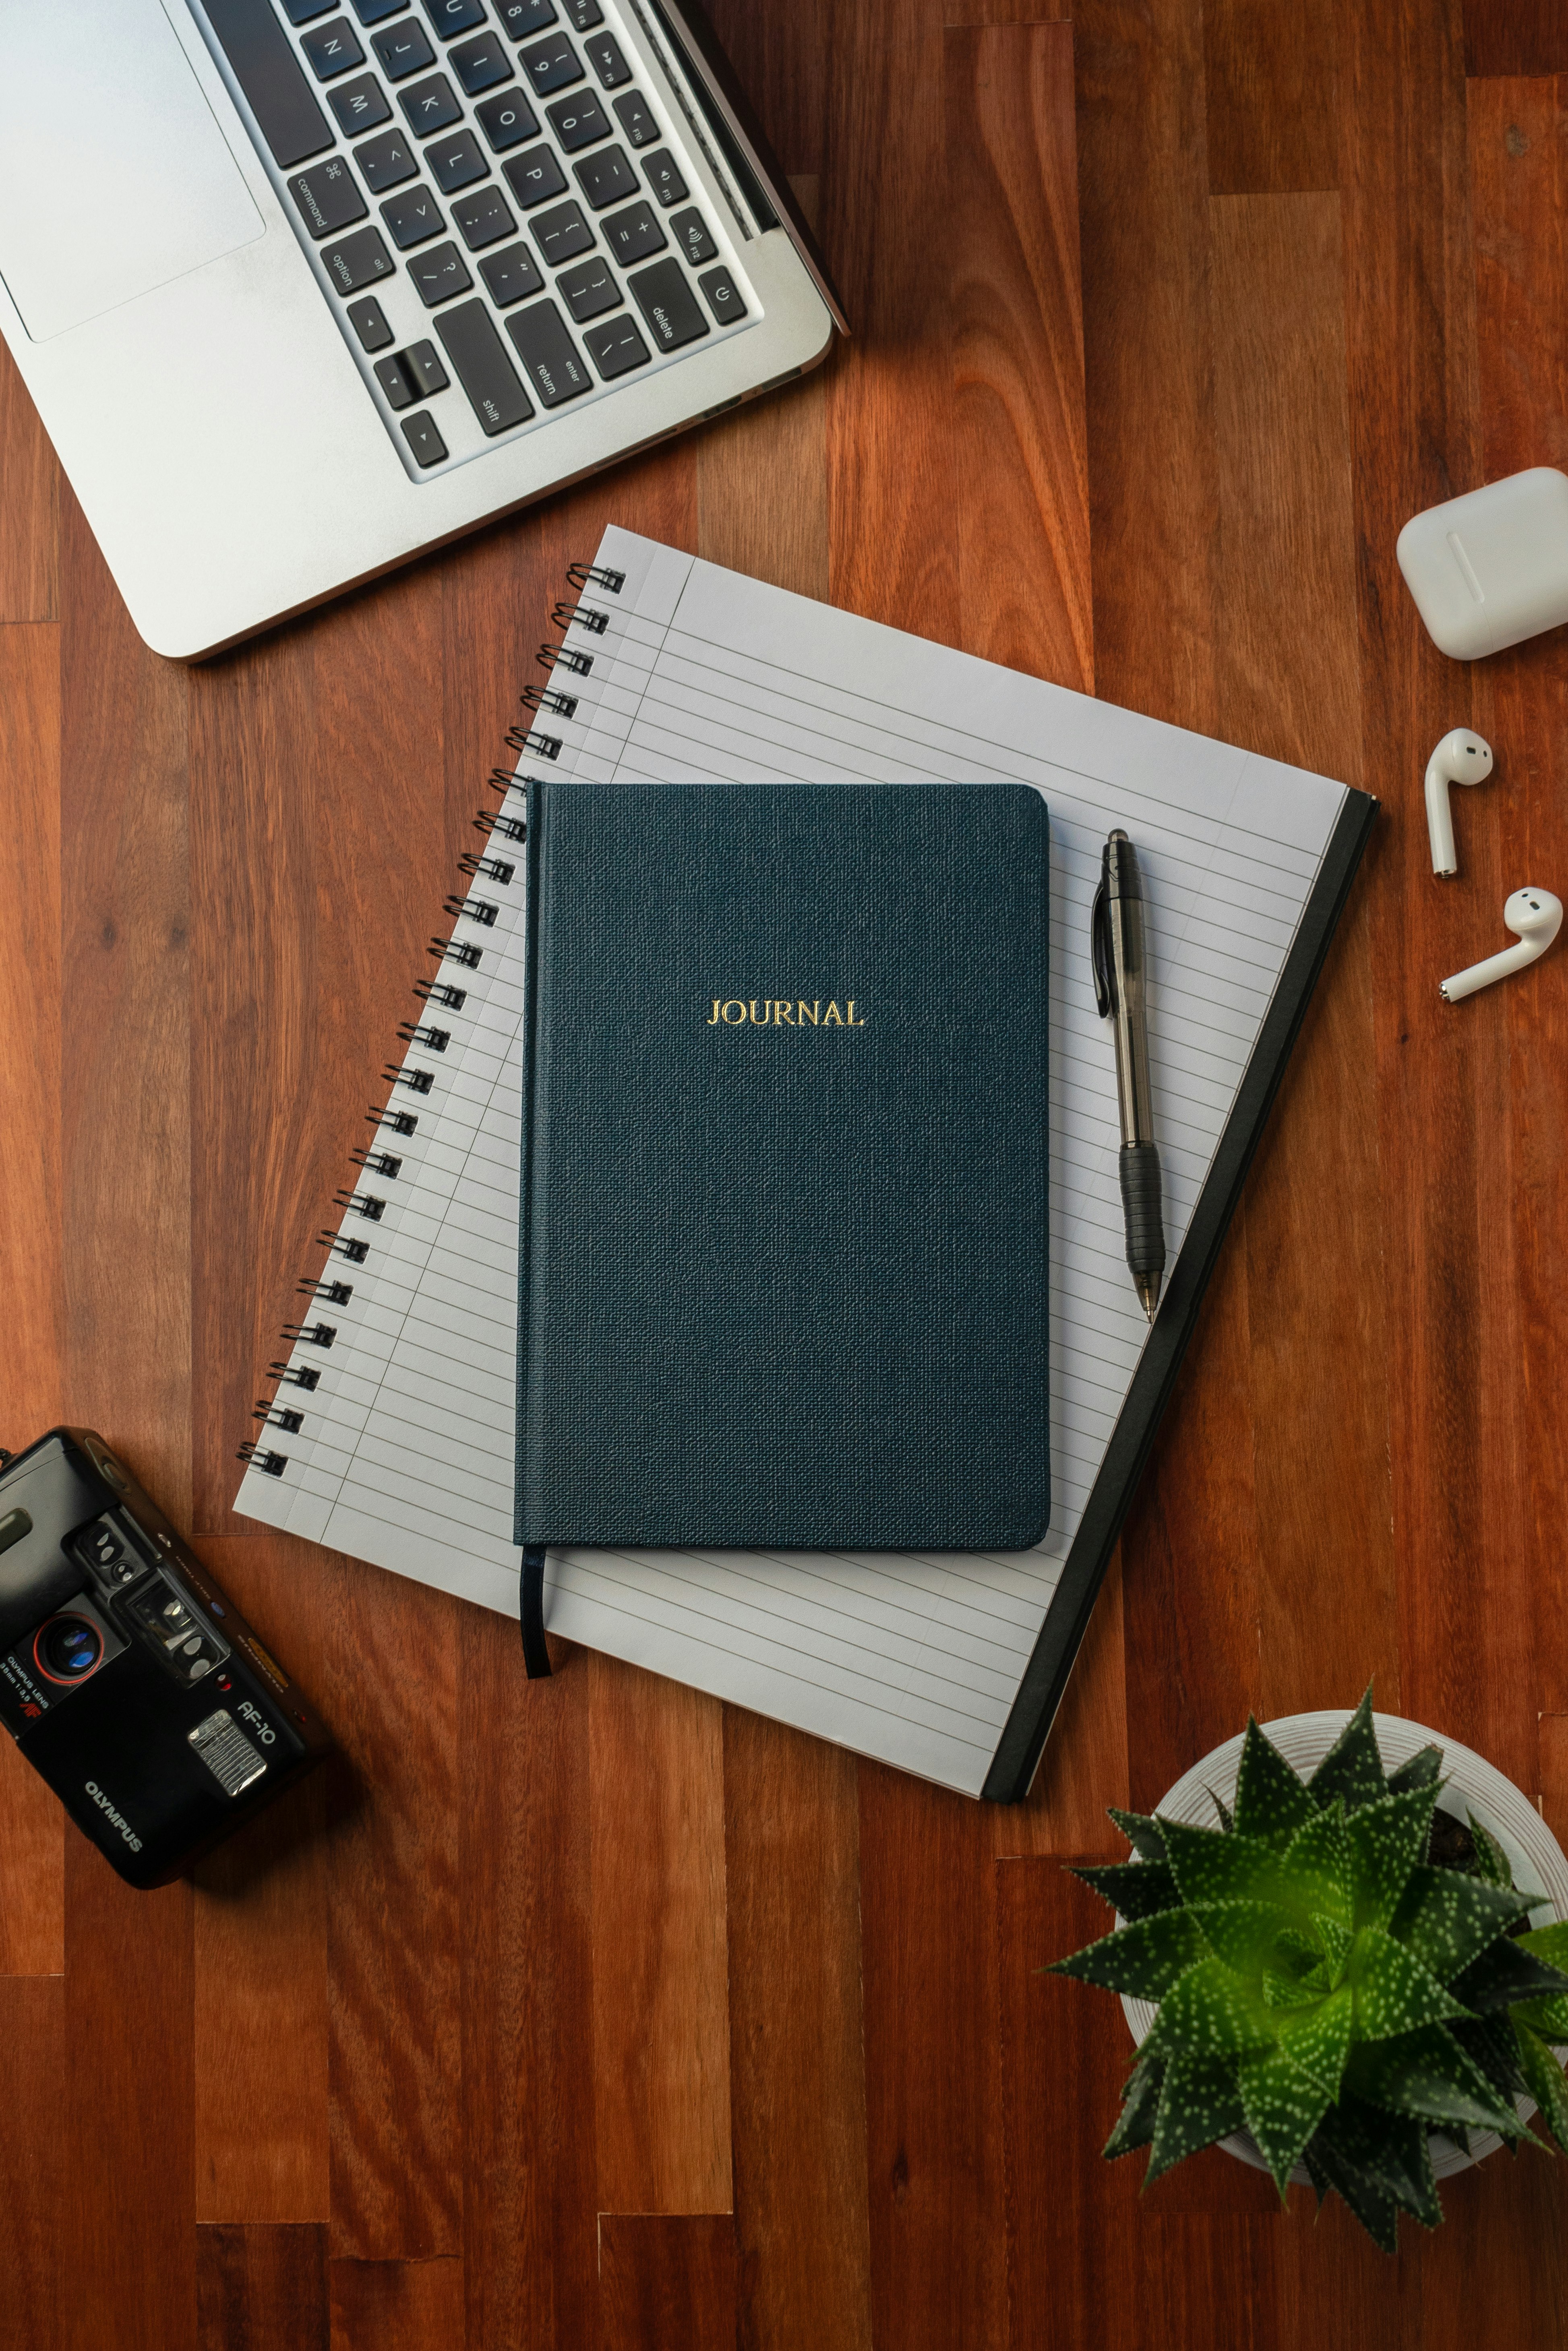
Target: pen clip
<point x="1100" y="947"/>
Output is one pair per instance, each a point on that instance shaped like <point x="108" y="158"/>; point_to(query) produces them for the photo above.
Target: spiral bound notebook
<point x="391" y="1435"/>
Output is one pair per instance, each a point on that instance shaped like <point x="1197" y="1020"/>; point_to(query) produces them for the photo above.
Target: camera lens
<point x="67" y="1648"/>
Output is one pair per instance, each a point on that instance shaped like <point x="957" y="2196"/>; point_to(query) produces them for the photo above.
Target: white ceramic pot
<point x="1539" y="1864"/>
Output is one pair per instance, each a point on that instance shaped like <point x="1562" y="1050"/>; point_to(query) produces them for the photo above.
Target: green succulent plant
<point x="1329" y="1982"/>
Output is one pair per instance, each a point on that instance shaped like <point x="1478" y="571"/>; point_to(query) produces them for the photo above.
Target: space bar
<point x="270" y="75"/>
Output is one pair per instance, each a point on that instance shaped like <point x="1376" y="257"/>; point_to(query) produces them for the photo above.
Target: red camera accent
<point x="68" y="1681"/>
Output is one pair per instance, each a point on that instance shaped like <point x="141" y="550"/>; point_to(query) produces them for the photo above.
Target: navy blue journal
<point x="783" y="1277"/>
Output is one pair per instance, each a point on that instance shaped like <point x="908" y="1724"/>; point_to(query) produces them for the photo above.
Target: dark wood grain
<point x="1011" y="243"/>
<point x="35" y="2162"/>
<point x="667" y="2281"/>
<point x="1519" y="185"/>
<point x="1271" y="113"/>
<point x="377" y="2302"/>
<point x="262" y="2289"/>
<point x="29" y="546"/>
<point x="32" y="1853"/>
<point x="1515" y="36"/>
<point x="796" y="2063"/>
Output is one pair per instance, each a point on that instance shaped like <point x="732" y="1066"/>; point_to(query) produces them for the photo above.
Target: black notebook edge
<point x="1045" y="1677"/>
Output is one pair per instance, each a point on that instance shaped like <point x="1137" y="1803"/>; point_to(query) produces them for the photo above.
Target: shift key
<point x="483" y="369"/>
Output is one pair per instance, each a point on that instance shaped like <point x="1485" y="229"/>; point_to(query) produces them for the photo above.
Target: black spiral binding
<point x="524" y="743"/>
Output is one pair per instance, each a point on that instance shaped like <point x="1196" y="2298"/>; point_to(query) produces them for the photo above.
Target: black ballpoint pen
<point x="1121" y="972"/>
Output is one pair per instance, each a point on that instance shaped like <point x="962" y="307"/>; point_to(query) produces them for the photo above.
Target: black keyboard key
<point x="456" y="161"/>
<point x="333" y="49"/>
<point x="633" y="235"/>
<point x="551" y="65"/>
<point x="327" y="196"/>
<point x="386" y="162"/>
<point x="359" y="105"/>
<point x="534" y="176"/>
<point x="511" y="275"/>
<point x="483" y="369"/>
<point x="636" y="119"/>
<point x="300" y="12"/>
<point x="422" y="438"/>
<point x="451" y="17"/>
<point x="376" y="11"/>
<point x="439" y="275"/>
<point x="483" y="218"/>
<point x="561" y="235"/>
<point x="578" y="121"/>
<point x="665" y="299"/>
<point x="393" y="382"/>
<point x="665" y="180"/>
<point x="583" y="13"/>
<point x="403" y="49"/>
<point x="358" y="260"/>
<point x="605" y="179"/>
<point x="724" y="295"/>
<point x="422" y="366"/>
<point x="480" y="65"/>
<point x="550" y="358"/>
<point x="690" y="232"/>
<point x="507" y="122"/>
<point x="523" y="18"/>
<point x="589" y="290"/>
<point x="413" y="218"/>
<point x="368" y="321"/>
<point x="603" y="54"/>
<point x="617" y="347"/>
<point x="269" y="73"/>
<point x="430" y="106"/>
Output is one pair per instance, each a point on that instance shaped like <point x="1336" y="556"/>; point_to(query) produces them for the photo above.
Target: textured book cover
<point x="783" y="1276"/>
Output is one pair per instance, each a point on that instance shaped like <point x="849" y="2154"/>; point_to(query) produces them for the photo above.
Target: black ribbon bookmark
<point x="531" y="1608"/>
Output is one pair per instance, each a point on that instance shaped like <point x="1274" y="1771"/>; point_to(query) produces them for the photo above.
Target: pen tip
<point x="1149" y="1293"/>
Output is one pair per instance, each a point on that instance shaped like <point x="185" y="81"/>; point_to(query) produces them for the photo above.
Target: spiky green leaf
<point x="1504" y="1973"/>
<point x="1549" y="1943"/>
<point x="1136" y="1888"/>
<point x="1543" y="2080"/>
<point x="1426" y="2073"/>
<point x="1353" y="1768"/>
<point x="1390" y="2152"/>
<point x="1140" y="2105"/>
<point x="1394" y="1992"/>
<point x="1338" y="1943"/>
<point x="1489" y="2041"/>
<point x="1213" y="1867"/>
<point x="1141" y="1832"/>
<point x="1299" y="1946"/>
<point x="1321" y="2183"/>
<point x="1272" y="1802"/>
<point x="1287" y="1993"/>
<point x="1227" y="1817"/>
<point x="1146" y="1958"/>
<point x="1242" y="1934"/>
<point x="1549" y="2018"/>
<point x="1492" y="1863"/>
<point x="1201" y="2101"/>
<point x="1211" y="2011"/>
<point x="1318" y="2039"/>
<point x="1373" y="2206"/>
<point x="1284" y="2106"/>
<point x="1448" y="1919"/>
<point x="1387" y="1840"/>
<point x="1424" y="1768"/>
<point x="1317" y="1867"/>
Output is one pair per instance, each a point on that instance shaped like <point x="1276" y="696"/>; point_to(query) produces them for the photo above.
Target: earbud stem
<point x="1440" y="821"/>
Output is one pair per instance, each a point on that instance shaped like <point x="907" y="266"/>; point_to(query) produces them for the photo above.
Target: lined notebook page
<point x="406" y="1452"/>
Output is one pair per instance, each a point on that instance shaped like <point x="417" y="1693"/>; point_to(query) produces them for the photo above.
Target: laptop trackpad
<point x="114" y="176"/>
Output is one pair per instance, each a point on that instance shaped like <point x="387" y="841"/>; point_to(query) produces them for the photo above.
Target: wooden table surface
<point x="595" y="2013"/>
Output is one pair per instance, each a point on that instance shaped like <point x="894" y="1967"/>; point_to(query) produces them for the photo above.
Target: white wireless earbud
<point x="1536" y="916"/>
<point x="1460" y="757"/>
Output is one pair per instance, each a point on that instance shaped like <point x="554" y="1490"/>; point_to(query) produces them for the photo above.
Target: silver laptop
<point x="303" y="286"/>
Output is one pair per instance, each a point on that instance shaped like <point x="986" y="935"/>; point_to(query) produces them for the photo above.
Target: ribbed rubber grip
<point x="1141" y="1209"/>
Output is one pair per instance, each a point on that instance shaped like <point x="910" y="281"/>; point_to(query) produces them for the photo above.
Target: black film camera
<point x="127" y="1679"/>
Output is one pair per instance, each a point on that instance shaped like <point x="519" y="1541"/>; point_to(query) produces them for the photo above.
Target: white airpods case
<point x="1491" y="568"/>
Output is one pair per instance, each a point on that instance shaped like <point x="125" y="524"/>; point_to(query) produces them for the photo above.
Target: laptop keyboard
<point x="495" y="199"/>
